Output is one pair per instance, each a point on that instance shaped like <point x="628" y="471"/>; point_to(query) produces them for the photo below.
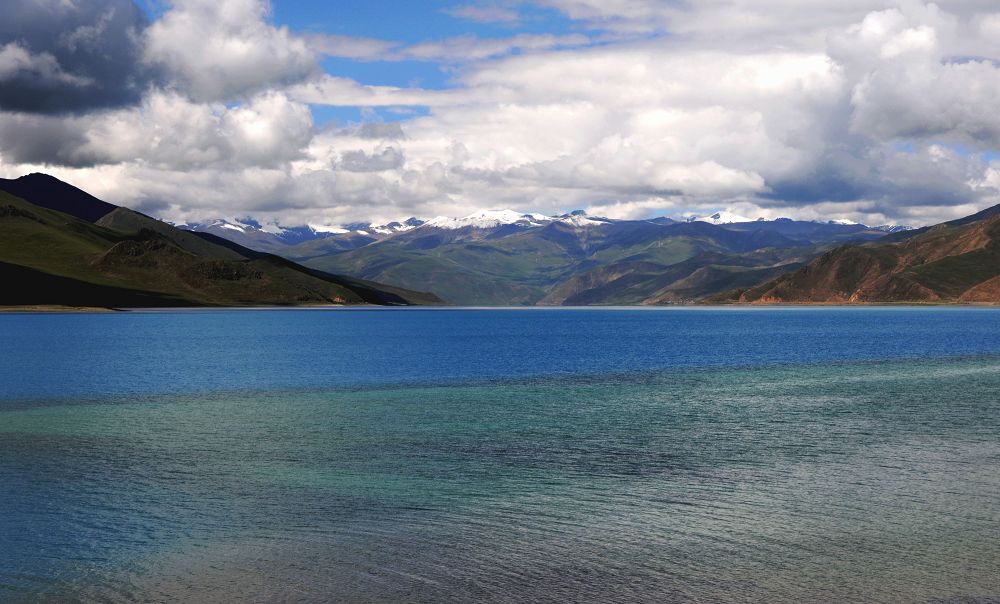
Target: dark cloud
<point x="359" y="161"/>
<point x="377" y="130"/>
<point x="837" y="176"/>
<point x="150" y="206"/>
<point x="71" y="57"/>
<point x="31" y="139"/>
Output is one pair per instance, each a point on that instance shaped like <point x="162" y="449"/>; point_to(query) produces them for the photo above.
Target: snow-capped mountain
<point x="497" y="256"/>
<point x="274" y="237"/>
<point x="725" y="217"/>
<point x="488" y="219"/>
<point x="892" y="228"/>
<point x="397" y="227"/>
<point x="253" y="234"/>
<point x="581" y="219"/>
<point x="885" y="228"/>
<point x="491" y="219"/>
<point x="721" y="218"/>
<point x="366" y="228"/>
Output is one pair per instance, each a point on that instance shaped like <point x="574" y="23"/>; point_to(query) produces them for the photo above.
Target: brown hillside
<point x="951" y="262"/>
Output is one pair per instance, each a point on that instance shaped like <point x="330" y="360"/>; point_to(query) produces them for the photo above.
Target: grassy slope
<point x="50" y="241"/>
<point x="152" y="259"/>
<point x="25" y="286"/>
<point x="522" y="268"/>
<point x="129" y="222"/>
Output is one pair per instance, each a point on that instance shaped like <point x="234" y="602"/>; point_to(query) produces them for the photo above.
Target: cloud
<point x="909" y="88"/>
<point x="471" y="48"/>
<point x="224" y="49"/>
<point x="379" y="130"/>
<point x="34" y="139"/>
<point x="166" y="131"/>
<point x="16" y="63"/>
<point x="455" y="50"/>
<point x="485" y="13"/>
<point x="860" y="109"/>
<point x="351" y="47"/>
<point x="345" y="92"/>
<point x="65" y="57"/>
<point x="388" y="158"/>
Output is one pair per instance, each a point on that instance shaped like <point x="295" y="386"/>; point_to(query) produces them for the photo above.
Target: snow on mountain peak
<point x="333" y="230"/>
<point x="245" y="226"/>
<point x="488" y="219"/>
<point x="723" y="217"/>
<point x="224" y="224"/>
<point x="579" y="218"/>
<point x="892" y="228"/>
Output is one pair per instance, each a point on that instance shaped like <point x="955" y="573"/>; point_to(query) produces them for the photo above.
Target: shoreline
<point x="59" y="308"/>
<point x="62" y="309"/>
<point x="56" y="308"/>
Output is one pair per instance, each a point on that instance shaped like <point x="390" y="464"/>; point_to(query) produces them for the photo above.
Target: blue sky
<point x="406" y="22"/>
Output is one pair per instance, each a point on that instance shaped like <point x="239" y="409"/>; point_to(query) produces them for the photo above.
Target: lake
<point x="429" y="455"/>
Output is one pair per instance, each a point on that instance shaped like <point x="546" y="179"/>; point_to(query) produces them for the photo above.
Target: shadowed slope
<point x="125" y="258"/>
<point x="50" y="192"/>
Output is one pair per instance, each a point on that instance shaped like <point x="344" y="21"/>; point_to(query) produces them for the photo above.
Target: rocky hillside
<point x="508" y="258"/>
<point x="954" y="262"/>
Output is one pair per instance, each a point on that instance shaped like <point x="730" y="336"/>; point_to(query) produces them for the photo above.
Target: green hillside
<point x="631" y="262"/>
<point x="128" y="259"/>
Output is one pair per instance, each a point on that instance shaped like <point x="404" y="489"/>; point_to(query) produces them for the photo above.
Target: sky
<point x="332" y="112"/>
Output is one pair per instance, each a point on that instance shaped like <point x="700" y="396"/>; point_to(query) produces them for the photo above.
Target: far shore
<point x="45" y="308"/>
<point x="56" y="308"/>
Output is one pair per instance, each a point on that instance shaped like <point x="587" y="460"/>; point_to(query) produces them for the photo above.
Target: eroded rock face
<point x="145" y="253"/>
<point x="153" y="251"/>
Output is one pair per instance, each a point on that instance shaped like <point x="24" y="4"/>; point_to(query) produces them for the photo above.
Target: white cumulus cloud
<point x="872" y="110"/>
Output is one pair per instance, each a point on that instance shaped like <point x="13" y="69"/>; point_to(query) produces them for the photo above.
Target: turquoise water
<point x="508" y="455"/>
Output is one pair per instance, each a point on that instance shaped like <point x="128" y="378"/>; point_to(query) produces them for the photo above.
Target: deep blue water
<point x="787" y="455"/>
<point x="72" y="355"/>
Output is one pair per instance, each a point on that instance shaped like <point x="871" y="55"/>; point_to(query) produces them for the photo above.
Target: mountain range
<point x="273" y="237"/>
<point x="506" y="257"/>
<point x="61" y="246"/>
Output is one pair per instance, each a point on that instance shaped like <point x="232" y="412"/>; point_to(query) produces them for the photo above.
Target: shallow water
<point x="605" y="455"/>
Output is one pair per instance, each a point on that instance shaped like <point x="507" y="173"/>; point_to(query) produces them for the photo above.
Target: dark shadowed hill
<point x="50" y="192"/>
<point x="123" y="258"/>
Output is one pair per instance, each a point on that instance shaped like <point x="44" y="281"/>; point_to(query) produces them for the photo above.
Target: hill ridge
<point x="124" y="258"/>
<point x="952" y="262"/>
